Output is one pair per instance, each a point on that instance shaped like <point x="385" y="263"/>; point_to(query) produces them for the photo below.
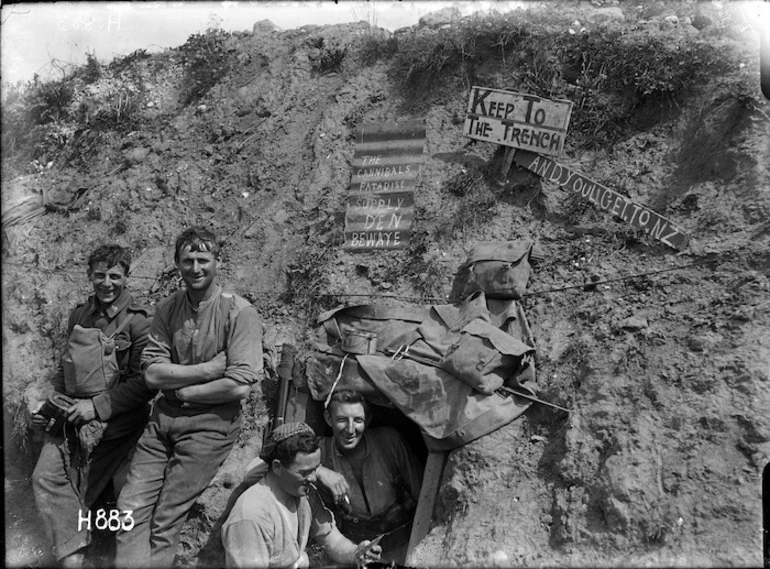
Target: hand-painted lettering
<point x="623" y="212"/>
<point x="633" y="215"/>
<point x="554" y="177"/>
<point x="555" y="142"/>
<point x="618" y="200"/>
<point x="530" y="101"/>
<point x="373" y="222"/>
<point x="605" y="205"/>
<point x="375" y="239"/>
<point x="577" y="185"/>
<point x="370" y="160"/>
<point x="667" y="239"/>
<point x="540" y="169"/>
<point x="384" y="171"/>
<point x="482" y="128"/>
<point x="471" y="122"/>
<point x="605" y="198"/>
<point x="479" y="97"/>
<point x="535" y="165"/>
<point x="383" y="186"/>
<point x="395" y="221"/>
<point x="657" y="229"/>
<point x="595" y="189"/>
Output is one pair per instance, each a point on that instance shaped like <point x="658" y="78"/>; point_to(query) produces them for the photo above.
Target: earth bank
<point x="662" y="357"/>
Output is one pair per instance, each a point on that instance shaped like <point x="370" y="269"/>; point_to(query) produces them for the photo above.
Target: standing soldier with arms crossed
<point x="204" y="353"/>
<point x="89" y="442"/>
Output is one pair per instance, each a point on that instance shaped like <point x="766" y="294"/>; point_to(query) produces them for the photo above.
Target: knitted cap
<point x="281" y="434"/>
<point x="288" y="430"/>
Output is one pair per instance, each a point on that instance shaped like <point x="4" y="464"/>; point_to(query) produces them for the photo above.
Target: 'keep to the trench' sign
<point x="639" y="216"/>
<point x="380" y="208"/>
<point x="517" y="120"/>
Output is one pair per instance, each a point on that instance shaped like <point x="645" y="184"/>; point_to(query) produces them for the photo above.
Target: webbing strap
<point x="121" y="327"/>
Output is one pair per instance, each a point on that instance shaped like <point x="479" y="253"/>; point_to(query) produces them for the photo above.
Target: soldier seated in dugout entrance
<point x="270" y="522"/>
<point x="369" y="477"/>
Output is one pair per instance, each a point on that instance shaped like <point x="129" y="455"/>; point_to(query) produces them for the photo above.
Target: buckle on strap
<point x="400" y="353"/>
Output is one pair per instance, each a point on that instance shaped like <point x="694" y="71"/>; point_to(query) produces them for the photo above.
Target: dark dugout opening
<point x="302" y="407"/>
<point x="381" y="416"/>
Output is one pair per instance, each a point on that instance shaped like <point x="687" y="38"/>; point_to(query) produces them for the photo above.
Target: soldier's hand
<point x="303" y="562"/>
<point x="81" y="412"/>
<point x="217" y="366"/>
<point x="221" y="360"/>
<point x="38" y="421"/>
<point x="367" y="552"/>
<point x="334" y="482"/>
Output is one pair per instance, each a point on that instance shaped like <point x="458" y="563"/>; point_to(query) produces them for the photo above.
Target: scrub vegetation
<point x="661" y="356"/>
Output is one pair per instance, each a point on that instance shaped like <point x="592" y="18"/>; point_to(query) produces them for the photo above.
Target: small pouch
<point x="484" y="357"/>
<point x="500" y="268"/>
<point x="90" y="360"/>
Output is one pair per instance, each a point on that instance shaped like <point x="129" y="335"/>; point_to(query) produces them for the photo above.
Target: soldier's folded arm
<point x="214" y="392"/>
<point x="160" y="373"/>
<point x="243" y="365"/>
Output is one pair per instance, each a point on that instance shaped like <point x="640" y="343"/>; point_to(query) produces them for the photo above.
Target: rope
<point x="428" y="298"/>
<point x="336" y="381"/>
<point x="622" y="278"/>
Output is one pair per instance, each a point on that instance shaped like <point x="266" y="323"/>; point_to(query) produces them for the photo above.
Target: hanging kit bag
<point x="484" y="356"/>
<point x="89" y="361"/>
<point x="500" y="268"/>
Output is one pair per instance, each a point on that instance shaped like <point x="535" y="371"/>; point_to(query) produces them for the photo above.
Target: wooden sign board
<point x="517" y="120"/>
<point x="380" y="221"/>
<point x="380" y="209"/>
<point x="606" y="199"/>
<point x="386" y="172"/>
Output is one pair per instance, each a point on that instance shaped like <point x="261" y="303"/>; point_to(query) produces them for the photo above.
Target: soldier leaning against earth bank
<point x="92" y="442"/>
<point x="205" y="353"/>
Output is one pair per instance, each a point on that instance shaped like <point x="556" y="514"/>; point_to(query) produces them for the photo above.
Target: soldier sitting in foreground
<point x="372" y="474"/>
<point x="271" y="521"/>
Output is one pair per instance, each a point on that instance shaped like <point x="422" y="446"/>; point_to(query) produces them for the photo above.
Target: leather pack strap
<point x="121" y="327"/>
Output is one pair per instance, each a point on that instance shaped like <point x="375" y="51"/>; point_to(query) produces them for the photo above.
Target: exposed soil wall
<point x="662" y="356"/>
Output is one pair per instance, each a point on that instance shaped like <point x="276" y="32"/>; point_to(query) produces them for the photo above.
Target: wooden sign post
<point x="431" y="480"/>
